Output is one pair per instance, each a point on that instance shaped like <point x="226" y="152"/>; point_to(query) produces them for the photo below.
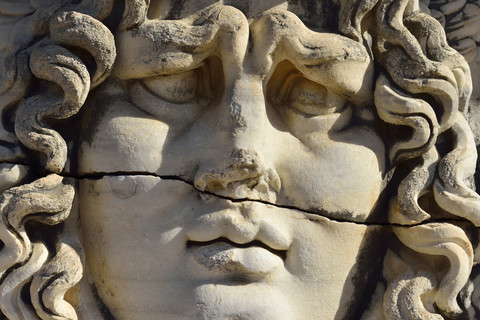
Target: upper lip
<point x="243" y="225"/>
<point x="255" y="243"/>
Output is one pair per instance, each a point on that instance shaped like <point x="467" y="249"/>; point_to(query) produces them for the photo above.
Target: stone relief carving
<point x="239" y="159"/>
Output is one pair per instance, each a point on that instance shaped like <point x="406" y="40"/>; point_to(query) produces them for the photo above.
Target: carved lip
<point x="254" y="259"/>
<point x="255" y="243"/>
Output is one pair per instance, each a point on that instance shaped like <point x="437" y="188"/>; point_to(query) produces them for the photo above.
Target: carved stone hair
<point x="28" y="263"/>
<point x="423" y="85"/>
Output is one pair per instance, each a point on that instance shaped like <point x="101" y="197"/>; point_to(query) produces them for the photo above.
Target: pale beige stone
<point x="239" y="159"/>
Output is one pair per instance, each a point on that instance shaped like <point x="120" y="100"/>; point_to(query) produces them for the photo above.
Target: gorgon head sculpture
<point x="234" y="160"/>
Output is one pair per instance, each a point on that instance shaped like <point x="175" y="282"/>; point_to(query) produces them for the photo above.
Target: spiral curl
<point x="47" y="200"/>
<point x="48" y="274"/>
<point x="425" y="86"/>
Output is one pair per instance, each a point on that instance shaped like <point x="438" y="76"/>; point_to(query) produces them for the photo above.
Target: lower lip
<point x="225" y="258"/>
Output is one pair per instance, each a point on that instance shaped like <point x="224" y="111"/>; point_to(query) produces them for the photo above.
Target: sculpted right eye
<point x="176" y="88"/>
<point x="177" y="97"/>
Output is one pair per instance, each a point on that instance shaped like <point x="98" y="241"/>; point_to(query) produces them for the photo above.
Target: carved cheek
<point x="130" y="219"/>
<point x="325" y="253"/>
<point x="339" y="176"/>
<point x="123" y="138"/>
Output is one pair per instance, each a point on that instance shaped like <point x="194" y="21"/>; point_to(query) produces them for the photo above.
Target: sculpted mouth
<point x="196" y="244"/>
<point x="252" y="261"/>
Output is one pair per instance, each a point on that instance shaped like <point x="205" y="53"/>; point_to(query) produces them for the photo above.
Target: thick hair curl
<point x="47" y="271"/>
<point x="423" y="85"/>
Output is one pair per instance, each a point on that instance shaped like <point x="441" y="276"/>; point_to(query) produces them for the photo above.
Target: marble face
<point x="233" y="159"/>
<point x="235" y="169"/>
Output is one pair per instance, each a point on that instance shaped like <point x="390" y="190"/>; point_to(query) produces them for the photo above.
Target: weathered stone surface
<point x="276" y="159"/>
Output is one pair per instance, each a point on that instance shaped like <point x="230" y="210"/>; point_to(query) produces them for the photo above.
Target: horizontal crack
<point x="14" y="161"/>
<point x="309" y="214"/>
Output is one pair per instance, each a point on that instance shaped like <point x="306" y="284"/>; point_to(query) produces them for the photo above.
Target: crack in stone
<point x="309" y="214"/>
<point x="23" y="163"/>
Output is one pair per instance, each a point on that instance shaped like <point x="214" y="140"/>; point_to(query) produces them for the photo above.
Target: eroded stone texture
<point x="239" y="159"/>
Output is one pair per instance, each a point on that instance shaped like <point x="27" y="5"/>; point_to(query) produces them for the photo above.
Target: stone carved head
<point x="234" y="159"/>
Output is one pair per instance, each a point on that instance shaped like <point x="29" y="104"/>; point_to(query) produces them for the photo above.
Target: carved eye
<point x="308" y="97"/>
<point x="305" y="105"/>
<point x="289" y="88"/>
<point x="176" y="88"/>
<point x="179" y="97"/>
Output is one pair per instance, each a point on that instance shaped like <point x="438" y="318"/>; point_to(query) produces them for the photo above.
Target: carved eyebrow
<point x="325" y="58"/>
<point x="159" y="47"/>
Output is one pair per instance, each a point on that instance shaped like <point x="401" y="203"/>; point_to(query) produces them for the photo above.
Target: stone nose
<point x="237" y="168"/>
<point x="241" y="175"/>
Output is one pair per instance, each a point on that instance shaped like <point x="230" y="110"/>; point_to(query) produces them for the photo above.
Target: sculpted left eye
<point x="292" y="91"/>
<point x="312" y="99"/>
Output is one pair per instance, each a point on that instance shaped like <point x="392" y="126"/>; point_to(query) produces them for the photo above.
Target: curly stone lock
<point x="48" y="54"/>
<point x="423" y="85"/>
